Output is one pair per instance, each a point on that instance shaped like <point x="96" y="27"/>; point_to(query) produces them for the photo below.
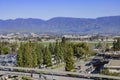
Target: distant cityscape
<point x="24" y="37"/>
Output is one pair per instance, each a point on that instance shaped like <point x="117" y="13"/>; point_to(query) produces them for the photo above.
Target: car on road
<point x="88" y="64"/>
<point x="6" y="69"/>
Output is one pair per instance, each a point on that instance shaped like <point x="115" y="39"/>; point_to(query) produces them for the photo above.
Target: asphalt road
<point x="63" y="72"/>
<point x="48" y="77"/>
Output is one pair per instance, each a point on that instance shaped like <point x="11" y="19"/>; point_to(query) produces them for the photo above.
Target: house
<point x="113" y="66"/>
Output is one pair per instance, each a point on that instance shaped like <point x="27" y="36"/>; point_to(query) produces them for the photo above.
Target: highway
<point x="20" y="74"/>
<point x="62" y="72"/>
<point x="43" y="77"/>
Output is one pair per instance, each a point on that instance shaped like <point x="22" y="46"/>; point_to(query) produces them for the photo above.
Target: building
<point x="113" y="66"/>
<point x="8" y="59"/>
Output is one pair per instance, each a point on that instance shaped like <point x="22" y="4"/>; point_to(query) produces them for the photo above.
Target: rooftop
<point x="113" y="64"/>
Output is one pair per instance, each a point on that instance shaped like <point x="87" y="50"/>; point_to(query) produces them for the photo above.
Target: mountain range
<point x="109" y="24"/>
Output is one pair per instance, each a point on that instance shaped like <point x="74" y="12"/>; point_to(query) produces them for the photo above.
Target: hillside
<point x="109" y="24"/>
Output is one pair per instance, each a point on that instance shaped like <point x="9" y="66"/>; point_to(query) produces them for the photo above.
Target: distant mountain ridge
<point x="109" y="24"/>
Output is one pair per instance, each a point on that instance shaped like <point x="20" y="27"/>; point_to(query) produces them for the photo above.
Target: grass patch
<point x="72" y="75"/>
<point x="26" y="78"/>
<point x="89" y="43"/>
<point x="58" y="66"/>
<point x="46" y="43"/>
<point x="95" y="43"/>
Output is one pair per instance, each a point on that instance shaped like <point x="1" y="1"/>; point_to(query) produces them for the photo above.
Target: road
<point x="64" y="78"/>
<point x="48" y="77"/>
<point x="62" y="72"/>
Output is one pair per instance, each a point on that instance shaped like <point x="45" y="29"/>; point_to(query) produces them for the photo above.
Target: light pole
<point x="52" y="75"/>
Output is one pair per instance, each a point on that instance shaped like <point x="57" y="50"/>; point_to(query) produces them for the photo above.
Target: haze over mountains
<point x="109" y="24"/>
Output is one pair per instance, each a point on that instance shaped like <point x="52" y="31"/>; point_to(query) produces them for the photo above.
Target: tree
<point x="107" y="47"/>
<point x="63" y="40"/>
<point x="58" y="53"/>
<point x="116" y="45"/>
<point x="99" y="46"/>
<point x="20" y="55"/>
<point x="14" y="46"/>
<point x="39" y="53"/>
<point x="29" y="52"/>
<point x="35" y="62"/>
<point x="52" y="48"/>
<point x="28" y="56"/>
<point x="5" y="50"/>
<point x="69" y="59"/>
<point x="47" y="57"/>
<point x="78" y="52"/>
<point x="81" y="49"/>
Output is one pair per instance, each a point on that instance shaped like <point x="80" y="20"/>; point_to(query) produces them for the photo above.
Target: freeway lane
<point x="62" y="72"/>
<point x="48" y="77"/>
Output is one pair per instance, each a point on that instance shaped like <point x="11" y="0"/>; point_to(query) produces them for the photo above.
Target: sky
<point x="46" y="9"/>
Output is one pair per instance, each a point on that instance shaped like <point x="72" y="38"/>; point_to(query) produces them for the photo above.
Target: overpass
<point x="61" y="72"/>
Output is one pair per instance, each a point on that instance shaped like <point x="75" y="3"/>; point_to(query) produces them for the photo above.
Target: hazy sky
<point x="46" y="9"/>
